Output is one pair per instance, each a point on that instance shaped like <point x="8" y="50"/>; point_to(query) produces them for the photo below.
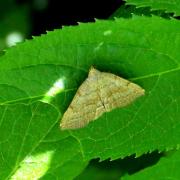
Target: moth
<point x="101" y="92"/>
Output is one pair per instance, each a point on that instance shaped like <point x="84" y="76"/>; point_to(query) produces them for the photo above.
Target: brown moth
<point x="99" y="93"/>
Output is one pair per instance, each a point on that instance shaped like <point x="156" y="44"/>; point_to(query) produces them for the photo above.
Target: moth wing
<point x="117" y="92"/>
<point x="99" y="93"/>
<point x="86" y="106"/>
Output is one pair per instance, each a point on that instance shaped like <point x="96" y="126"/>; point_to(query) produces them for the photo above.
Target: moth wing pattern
<point x="117" y="92"/>
<point x="100" y="92"/>
<point x="86" y="105"/>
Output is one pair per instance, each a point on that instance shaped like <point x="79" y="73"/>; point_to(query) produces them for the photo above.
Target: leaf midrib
<point x="73" y="89"/>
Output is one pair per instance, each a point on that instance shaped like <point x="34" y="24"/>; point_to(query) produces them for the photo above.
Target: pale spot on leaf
<point x="34" y="167"/>
<point x="107" y="33"/>
<point x="98" y="46"/>
<point x="57" y="87"/>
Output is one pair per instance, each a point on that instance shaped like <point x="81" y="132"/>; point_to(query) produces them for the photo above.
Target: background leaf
<point x="166" y="168"/>
<point x="167" y="5"/>
<point x="107" y="169"/>
<point x="127" y="11"/>
<point x="136" y="49"/>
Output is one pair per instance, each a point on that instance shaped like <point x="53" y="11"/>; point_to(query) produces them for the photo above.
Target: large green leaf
<point x="167" y="5"/>
<point x="24" y="150"/>
<point x="143" y="50"/>
<point x="127" y="11"/>
<point x="166" y="168"/>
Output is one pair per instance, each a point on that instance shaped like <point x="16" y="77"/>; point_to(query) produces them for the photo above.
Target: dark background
<point x="52" y="14"/>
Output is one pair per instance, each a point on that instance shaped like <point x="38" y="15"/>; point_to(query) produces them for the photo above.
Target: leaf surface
<point x="142" y="49"/>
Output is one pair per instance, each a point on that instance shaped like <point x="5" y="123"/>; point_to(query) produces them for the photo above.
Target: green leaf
<point x="166" y="168"/>
<point x="142" y="49"/>
<point x="100" y="171"/>
<point x="127" y="11"/>
<point x="167" y="5"/>
<point x="24" y="150"/>
<point x="107" y="169"/>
